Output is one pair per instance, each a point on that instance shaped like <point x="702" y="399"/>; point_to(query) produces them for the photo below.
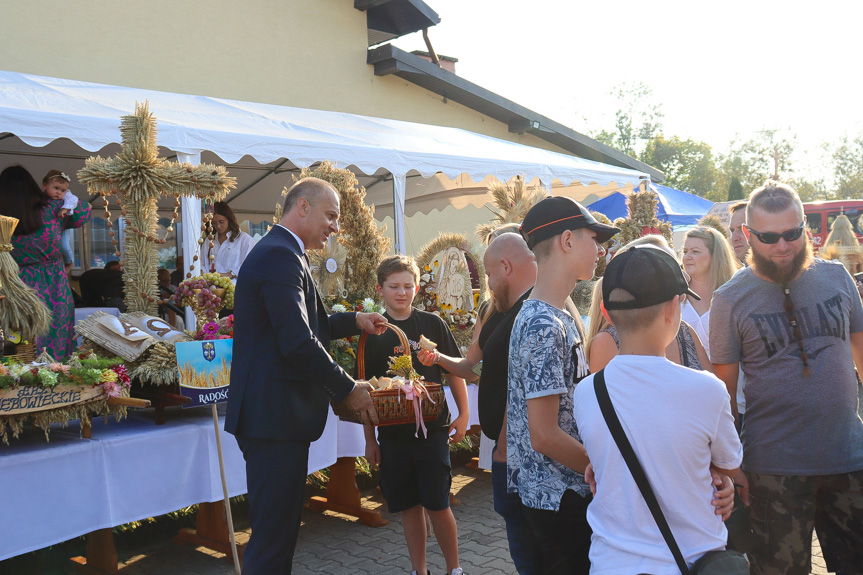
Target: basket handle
<point x="361" y="348"/>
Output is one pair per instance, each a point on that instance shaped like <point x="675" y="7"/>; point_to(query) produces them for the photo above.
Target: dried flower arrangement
<point x="108" y="376"/>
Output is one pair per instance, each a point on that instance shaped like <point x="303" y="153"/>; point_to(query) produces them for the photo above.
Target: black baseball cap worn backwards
<point x="649" y="274"/>
<point x="557" y="214"/>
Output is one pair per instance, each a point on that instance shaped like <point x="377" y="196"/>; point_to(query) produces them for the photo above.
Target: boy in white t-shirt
<point x="678" y="421"/>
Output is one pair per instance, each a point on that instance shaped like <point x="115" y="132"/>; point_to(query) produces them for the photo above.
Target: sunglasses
<point x="795" y="327"/>
<point x="773" y="237"/>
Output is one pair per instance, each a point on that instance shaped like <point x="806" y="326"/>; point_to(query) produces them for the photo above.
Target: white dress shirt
<point x="229" y="255"/>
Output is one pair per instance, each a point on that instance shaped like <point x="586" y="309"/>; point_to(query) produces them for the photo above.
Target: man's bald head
<point x="311" y="212"/>
<point x="511" y="269"/>
<point x="310" y="188"/>
<point x="510" y="246"/>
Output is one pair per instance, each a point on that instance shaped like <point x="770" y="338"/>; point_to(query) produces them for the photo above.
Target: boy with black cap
<point x="545" y="459"/>
<point x="677" y="419"/>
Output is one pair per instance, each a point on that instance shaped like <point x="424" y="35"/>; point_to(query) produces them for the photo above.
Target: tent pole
<point x="399" y="192"/>
<point x="190" y="215"/>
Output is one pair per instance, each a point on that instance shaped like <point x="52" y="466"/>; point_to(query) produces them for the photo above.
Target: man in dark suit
<point x="282" y="376"/>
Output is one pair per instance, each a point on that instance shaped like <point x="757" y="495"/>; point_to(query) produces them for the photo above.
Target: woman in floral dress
<point x="37" y="251"/>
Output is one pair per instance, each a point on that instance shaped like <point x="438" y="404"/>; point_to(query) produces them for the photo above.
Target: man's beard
<point x="501" y="298"/>
<point x="781" y="273"/>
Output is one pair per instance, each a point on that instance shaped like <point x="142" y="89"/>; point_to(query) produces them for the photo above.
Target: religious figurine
<point x="454" y="287"/>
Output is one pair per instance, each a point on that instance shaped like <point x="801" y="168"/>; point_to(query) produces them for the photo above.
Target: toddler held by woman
<point x="55" y="184"/>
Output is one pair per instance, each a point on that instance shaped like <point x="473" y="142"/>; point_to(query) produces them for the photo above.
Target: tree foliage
<point x="688" y="165"/>
<point x="735" y="189"/>
<point x="812" y="190"/>
<point x="636" y="121"/>
<point x="756" y="160"/>
<point x="848" y="168"/>
<point x="693" y="166"/>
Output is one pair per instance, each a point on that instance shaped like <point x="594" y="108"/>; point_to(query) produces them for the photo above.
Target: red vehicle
<point x="820" y="216"/>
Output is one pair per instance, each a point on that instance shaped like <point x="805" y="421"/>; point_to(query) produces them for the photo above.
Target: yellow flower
<point x="109" y="376"/>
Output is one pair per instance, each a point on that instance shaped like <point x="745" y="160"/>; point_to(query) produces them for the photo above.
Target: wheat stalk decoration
<point x="21" y="308"/>
<point x="511" y="204"/>
<point x="139" y="177"/>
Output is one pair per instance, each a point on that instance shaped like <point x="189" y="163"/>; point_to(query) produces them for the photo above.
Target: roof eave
<point x="388" y="59"/>
<point x="389" y="19"/>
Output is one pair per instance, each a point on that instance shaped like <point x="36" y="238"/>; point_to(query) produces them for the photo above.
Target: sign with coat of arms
<point x="205" y="370"/>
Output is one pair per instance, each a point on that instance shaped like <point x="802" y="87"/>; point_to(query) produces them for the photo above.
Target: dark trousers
<point x="560" y="539"/>
<point x="276" y="479"/>
<point x="508" y="506"/>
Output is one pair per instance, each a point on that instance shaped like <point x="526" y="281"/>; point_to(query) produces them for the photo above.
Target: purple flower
<point x="210" y="328"/>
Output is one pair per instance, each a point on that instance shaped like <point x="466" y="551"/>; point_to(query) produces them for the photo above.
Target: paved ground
<point x="335" y="544"/>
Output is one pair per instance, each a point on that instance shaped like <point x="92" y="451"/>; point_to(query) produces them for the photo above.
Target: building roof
<point x="389" y="19"/>
<point x="388" y="59"/>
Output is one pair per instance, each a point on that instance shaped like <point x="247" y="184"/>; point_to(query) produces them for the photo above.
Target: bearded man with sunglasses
<point x="795" y="325"/>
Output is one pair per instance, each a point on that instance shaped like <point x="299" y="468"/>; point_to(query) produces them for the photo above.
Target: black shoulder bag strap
<point x="635" y="468"/>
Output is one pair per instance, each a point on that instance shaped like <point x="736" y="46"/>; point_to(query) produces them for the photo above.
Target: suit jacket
<point x="282" y="375"/>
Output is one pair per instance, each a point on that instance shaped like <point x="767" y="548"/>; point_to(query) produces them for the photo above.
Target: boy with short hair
<point x="415" y="472"/>
<point x="677" y="419"/>
<point x="545" y="459"/>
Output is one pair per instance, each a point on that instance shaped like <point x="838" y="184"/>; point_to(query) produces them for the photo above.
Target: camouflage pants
<point x="785" y="509"/>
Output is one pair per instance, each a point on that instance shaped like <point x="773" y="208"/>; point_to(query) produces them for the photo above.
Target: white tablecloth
<point x="473" y="416"/>
<point x="131" y="470"/>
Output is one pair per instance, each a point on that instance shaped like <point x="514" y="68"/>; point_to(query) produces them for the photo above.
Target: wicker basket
<point x="24" y="353"/>
<point x="392" y="406"/>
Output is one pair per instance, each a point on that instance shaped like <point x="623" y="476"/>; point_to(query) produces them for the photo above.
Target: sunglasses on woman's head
<point x="773" y="237"/>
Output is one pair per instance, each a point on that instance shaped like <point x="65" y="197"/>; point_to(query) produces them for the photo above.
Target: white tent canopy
<point x="36" y="111"/>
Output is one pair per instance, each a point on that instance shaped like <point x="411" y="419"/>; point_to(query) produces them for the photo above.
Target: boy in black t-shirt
<point x="415" y="470"/>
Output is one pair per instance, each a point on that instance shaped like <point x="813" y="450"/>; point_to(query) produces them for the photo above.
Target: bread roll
<point x="427" y="344"/>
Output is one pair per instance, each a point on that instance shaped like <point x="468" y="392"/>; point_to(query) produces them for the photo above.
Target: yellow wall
<point x="303" y="53"/>
<point x="421" y="228"/>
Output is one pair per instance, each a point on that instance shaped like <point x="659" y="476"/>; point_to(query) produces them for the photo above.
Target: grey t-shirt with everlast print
<point x="546" y="357"/>
<point x="794" y="424"/>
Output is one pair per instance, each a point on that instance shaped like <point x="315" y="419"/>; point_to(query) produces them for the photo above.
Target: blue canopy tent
<point x="676" y="207"/>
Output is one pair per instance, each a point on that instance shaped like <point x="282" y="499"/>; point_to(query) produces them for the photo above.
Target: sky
<point x="720" y="70"/>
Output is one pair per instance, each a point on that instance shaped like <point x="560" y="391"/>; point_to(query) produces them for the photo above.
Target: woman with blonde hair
<point x="602" y="342"/>
<point x="710" y="261"/>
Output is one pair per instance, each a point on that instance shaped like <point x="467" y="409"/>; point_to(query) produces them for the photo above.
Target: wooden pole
<point x="225" y="490"/>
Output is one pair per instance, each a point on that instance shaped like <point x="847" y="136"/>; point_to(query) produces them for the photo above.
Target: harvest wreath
<point x="46" y="391"/>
